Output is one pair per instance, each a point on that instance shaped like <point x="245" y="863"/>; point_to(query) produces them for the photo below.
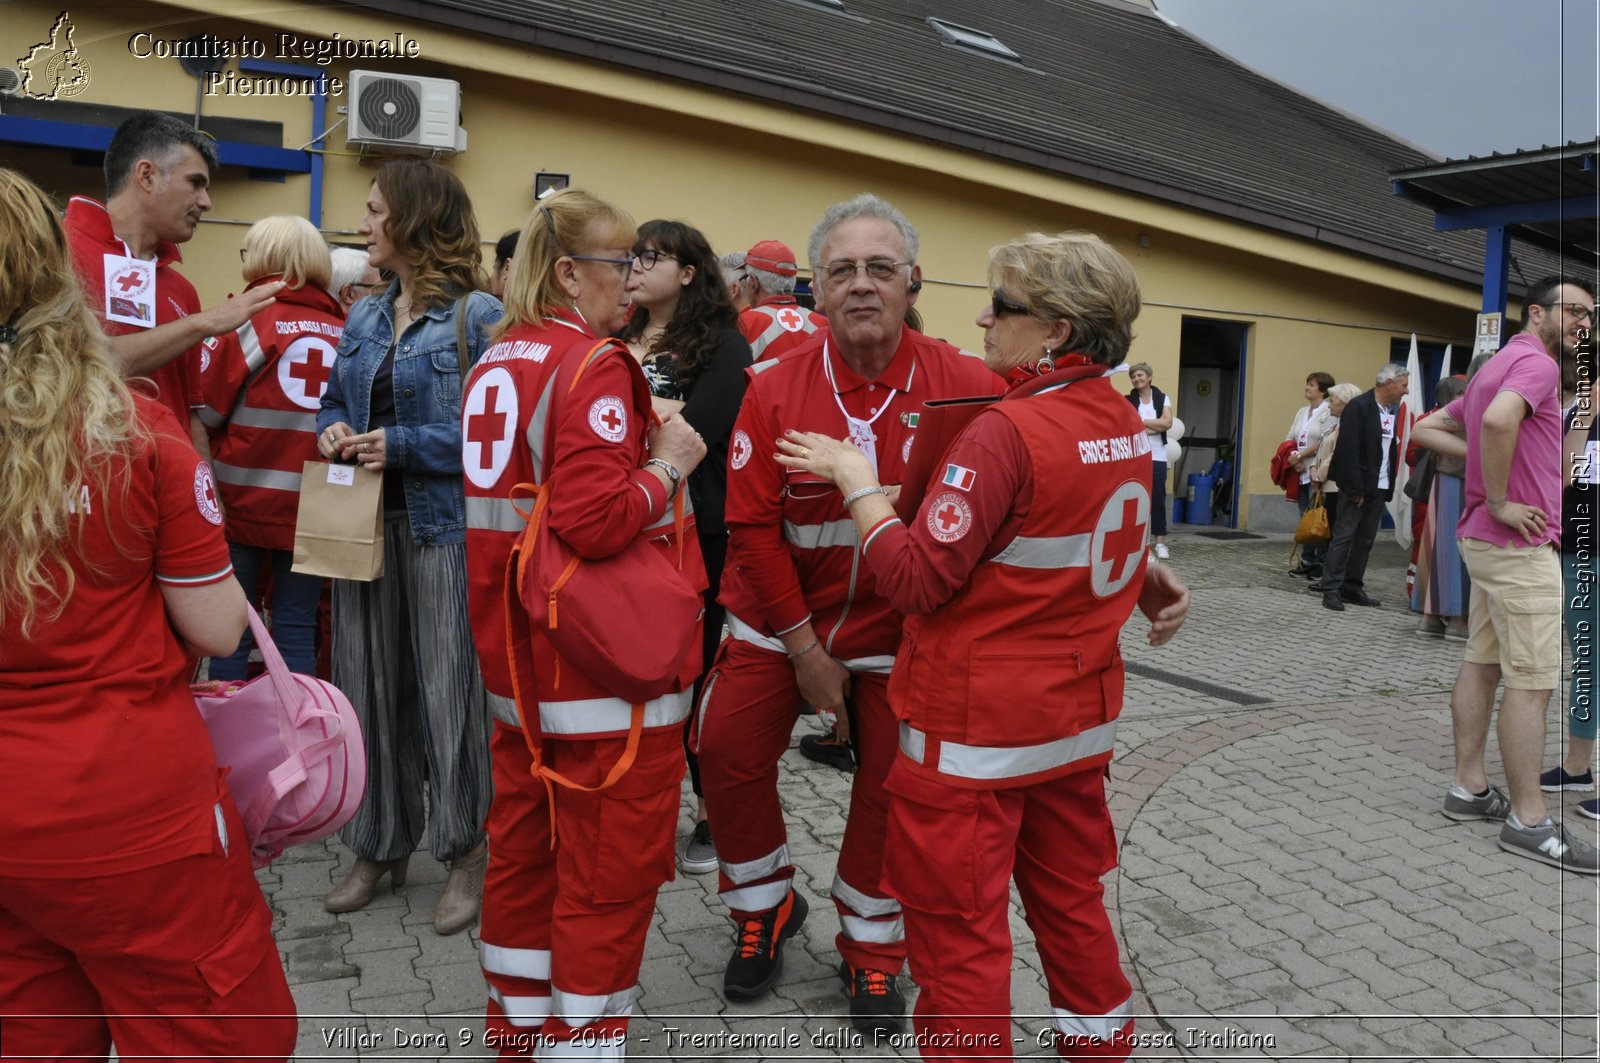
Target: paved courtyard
<point x="1288" y="888"/>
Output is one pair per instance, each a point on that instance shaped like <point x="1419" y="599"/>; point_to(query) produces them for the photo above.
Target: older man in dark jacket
<point x="1363" y="466"/>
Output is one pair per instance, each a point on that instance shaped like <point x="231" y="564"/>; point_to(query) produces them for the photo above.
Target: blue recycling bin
<point x="1200" y="487"/>
<point x="1180" y="510"/>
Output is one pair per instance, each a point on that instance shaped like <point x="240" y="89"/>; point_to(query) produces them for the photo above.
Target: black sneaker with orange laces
<point x="828" y="749"/>
<point x="758" y="949"/>
<point x="875" y="1000"/>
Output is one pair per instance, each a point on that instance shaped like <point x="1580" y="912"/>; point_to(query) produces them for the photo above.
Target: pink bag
<point x="297" y="765"/>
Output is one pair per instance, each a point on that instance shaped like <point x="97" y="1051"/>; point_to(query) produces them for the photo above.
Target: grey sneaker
<point x="699" y="855"/>
<point x="1458" y="804"/>
<point x="1549" y="842"/>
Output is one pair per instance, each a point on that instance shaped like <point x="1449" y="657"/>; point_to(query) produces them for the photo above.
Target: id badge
<point x="865" y="440"/>
<point x="130" y="291"/>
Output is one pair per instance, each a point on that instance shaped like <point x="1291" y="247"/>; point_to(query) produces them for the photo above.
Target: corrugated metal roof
<point x="1103" y="90"/>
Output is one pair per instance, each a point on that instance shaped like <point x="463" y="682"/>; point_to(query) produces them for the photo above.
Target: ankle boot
<point x="356" y="890"/>
<point x="463" y="892"/>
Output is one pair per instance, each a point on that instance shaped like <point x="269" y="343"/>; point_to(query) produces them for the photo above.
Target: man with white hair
<point x="775" y="321"/>
<point x="353" y="276"/>
<point x="1363" y="467"/>
<point x="808" y="625"/>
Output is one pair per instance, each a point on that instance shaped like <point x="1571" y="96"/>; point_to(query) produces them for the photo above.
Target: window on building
<point x="973" y="40"/>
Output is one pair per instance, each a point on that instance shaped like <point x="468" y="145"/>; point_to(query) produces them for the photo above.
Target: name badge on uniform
<point x="865" y="440"/>
<point x="130" y="291"/>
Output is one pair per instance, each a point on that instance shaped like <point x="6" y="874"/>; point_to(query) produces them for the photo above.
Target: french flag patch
<point x="959" y="477"/>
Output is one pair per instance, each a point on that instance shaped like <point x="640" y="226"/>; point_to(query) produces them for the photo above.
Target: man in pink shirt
<point x="1508" y="426"/>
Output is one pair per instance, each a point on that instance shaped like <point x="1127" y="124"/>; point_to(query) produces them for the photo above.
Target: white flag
<point x="1410" y="411"/>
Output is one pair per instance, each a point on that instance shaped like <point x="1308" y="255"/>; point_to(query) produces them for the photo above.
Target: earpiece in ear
<point x="916" y="286"/>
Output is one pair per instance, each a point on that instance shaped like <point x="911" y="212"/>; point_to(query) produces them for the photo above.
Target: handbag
<point x="1313" y="526"/>
<point x="296" y="762"/>
<point x="1420" y="483"/>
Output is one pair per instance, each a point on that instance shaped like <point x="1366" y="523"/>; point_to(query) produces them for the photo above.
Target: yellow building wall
<point x="742" y="171"/>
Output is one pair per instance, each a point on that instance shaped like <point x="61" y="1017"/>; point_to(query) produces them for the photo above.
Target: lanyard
<point x="862" y="437"/>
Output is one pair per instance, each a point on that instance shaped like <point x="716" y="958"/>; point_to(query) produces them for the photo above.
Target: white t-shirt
<point x="1386" y="418"/>
<point x="1147" y="411"/>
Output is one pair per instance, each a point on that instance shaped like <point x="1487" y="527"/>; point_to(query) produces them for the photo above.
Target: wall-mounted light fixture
<point x="545" y="183"/>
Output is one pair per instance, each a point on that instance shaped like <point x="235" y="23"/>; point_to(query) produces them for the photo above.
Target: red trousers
<point x="563" y="929"/>
<point x="746" y="717"/>
<point x="174" y="961"/>
<point x="951" y="856"/>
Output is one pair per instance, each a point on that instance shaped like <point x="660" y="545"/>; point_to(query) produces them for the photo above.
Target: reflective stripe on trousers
<point x="881" y="664"/>
<point x="1009" y="762"/>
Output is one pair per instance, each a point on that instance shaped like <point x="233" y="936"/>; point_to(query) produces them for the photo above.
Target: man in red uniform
<point x="775" y="321"/>
<point x="808" y="625"/>
<point x="157" y="172"/>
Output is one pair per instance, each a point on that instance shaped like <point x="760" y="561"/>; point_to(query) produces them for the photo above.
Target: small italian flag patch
<point x="959" y="477"/>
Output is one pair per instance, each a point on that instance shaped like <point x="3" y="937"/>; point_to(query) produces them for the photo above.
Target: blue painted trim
<point x="42" y="133"/>
<point x="319" y="118"/>
<point x="1496" y="269"/>
<point x="1516" y="213"/>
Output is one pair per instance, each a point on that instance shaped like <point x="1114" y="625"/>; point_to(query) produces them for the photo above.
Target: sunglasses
<point x="1001" y="306"/>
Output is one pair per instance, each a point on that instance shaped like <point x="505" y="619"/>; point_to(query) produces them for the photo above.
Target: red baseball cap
<point x="770" y="256"/>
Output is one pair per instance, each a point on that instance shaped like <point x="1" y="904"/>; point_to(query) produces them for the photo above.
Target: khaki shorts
<point x="1514" y="616"/>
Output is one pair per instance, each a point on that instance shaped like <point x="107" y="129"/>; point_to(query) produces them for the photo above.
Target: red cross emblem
<point x="489" y="425"/>
<point x="949" y="517"/>
<point x="609" y="418"/>
<point x="304" y="369"/>
<point x="1119" y="538"/>
<point x="791" y="319"/>
<point x="205" y="494"/>
<point x="129" y="281"/>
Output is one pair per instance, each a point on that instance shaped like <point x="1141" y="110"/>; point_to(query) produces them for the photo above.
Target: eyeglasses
<point x="650" y="256"/>
<point x="1001" y="306"/>
<point x="365" y="287"/>
<point x="878" y="269"/>
<point x="624" y="265"/>
<point x="1577" y="310"/>
<point x="243" y="251"/>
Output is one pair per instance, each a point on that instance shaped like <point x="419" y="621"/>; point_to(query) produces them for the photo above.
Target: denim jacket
<point x="425" y="447"/>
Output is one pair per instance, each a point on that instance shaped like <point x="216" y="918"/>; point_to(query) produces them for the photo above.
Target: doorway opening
<point x="1210" y="403"/>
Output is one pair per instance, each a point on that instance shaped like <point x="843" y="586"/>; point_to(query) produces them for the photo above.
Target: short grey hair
<point x="1343" y="392"/>
<point x="866" y="205"/>
<point x="1392" y="371"/>
<point x="771" y="283"/>
<point x="732" y="260"/>
<point x="349" y="266"/>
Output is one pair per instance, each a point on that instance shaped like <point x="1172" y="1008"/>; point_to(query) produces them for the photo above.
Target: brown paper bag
<point x="339" y="529"/>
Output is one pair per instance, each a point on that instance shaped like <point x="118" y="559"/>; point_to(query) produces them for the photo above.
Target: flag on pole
<point x="1444" y="365"/>
<point x="1410" y="411"/>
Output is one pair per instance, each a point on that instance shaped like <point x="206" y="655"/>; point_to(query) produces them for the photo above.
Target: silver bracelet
<point x="856" y="496"/>
<point x="672" y="474"/>
<point x="807" y="649"/>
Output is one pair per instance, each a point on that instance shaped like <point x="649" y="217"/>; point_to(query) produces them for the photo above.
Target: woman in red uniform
<point x="263" y="385"/>
<point x="1016" y="577"/>
<point x="564" y="919"/>
<point x="128" y="910"/>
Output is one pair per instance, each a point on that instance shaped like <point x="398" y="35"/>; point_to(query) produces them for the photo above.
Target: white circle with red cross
<point x="905" y="448"/>
<point x="739" y="450"/>
<point x="791" y="319"/>
<point x="488" y="426"/>
<point x="1119" y="538"/>
<point x="609" y="418"/>
<point x="304" y="369"/>
<point x="949" y="517"/>
<point x="205" y="493"/>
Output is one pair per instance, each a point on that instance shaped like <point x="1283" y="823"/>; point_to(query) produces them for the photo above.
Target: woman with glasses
<point x="586" y="800"/>
<point x="682" y="331"/>
<point x="263" y="387"/>
<point x="1016" y="577"/>
<point x="128" y="909"/>
<point x="402" y="644"/>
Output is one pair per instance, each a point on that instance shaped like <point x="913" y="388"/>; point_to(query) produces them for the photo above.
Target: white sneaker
<point x="1162" y="552"/>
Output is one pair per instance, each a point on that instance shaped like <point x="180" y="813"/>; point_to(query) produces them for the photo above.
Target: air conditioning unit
<point x="404" y="113"/>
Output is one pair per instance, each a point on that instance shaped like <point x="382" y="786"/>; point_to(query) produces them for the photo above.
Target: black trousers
<point x="1355" y="529"/>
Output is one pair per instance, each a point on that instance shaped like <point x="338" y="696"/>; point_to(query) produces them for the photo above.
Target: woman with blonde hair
<point x="128" y="909"/>
<point x="1016" y="584"/>
<point x="402" y="644"/>
<point x="263" y="386"/>
<point x="586" y="802"/>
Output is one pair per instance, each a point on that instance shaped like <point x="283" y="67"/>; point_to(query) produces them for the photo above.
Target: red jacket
<point x="778" y="324"/>
<point x="94" y="246"/>
<point x="1015" y="676"/>
<point x="793" y="554"/>
<point x="262" y="385"/>
<point x="520" y="424"/>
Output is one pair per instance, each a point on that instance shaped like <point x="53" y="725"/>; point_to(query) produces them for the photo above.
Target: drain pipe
<point x="319" y="110"/>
